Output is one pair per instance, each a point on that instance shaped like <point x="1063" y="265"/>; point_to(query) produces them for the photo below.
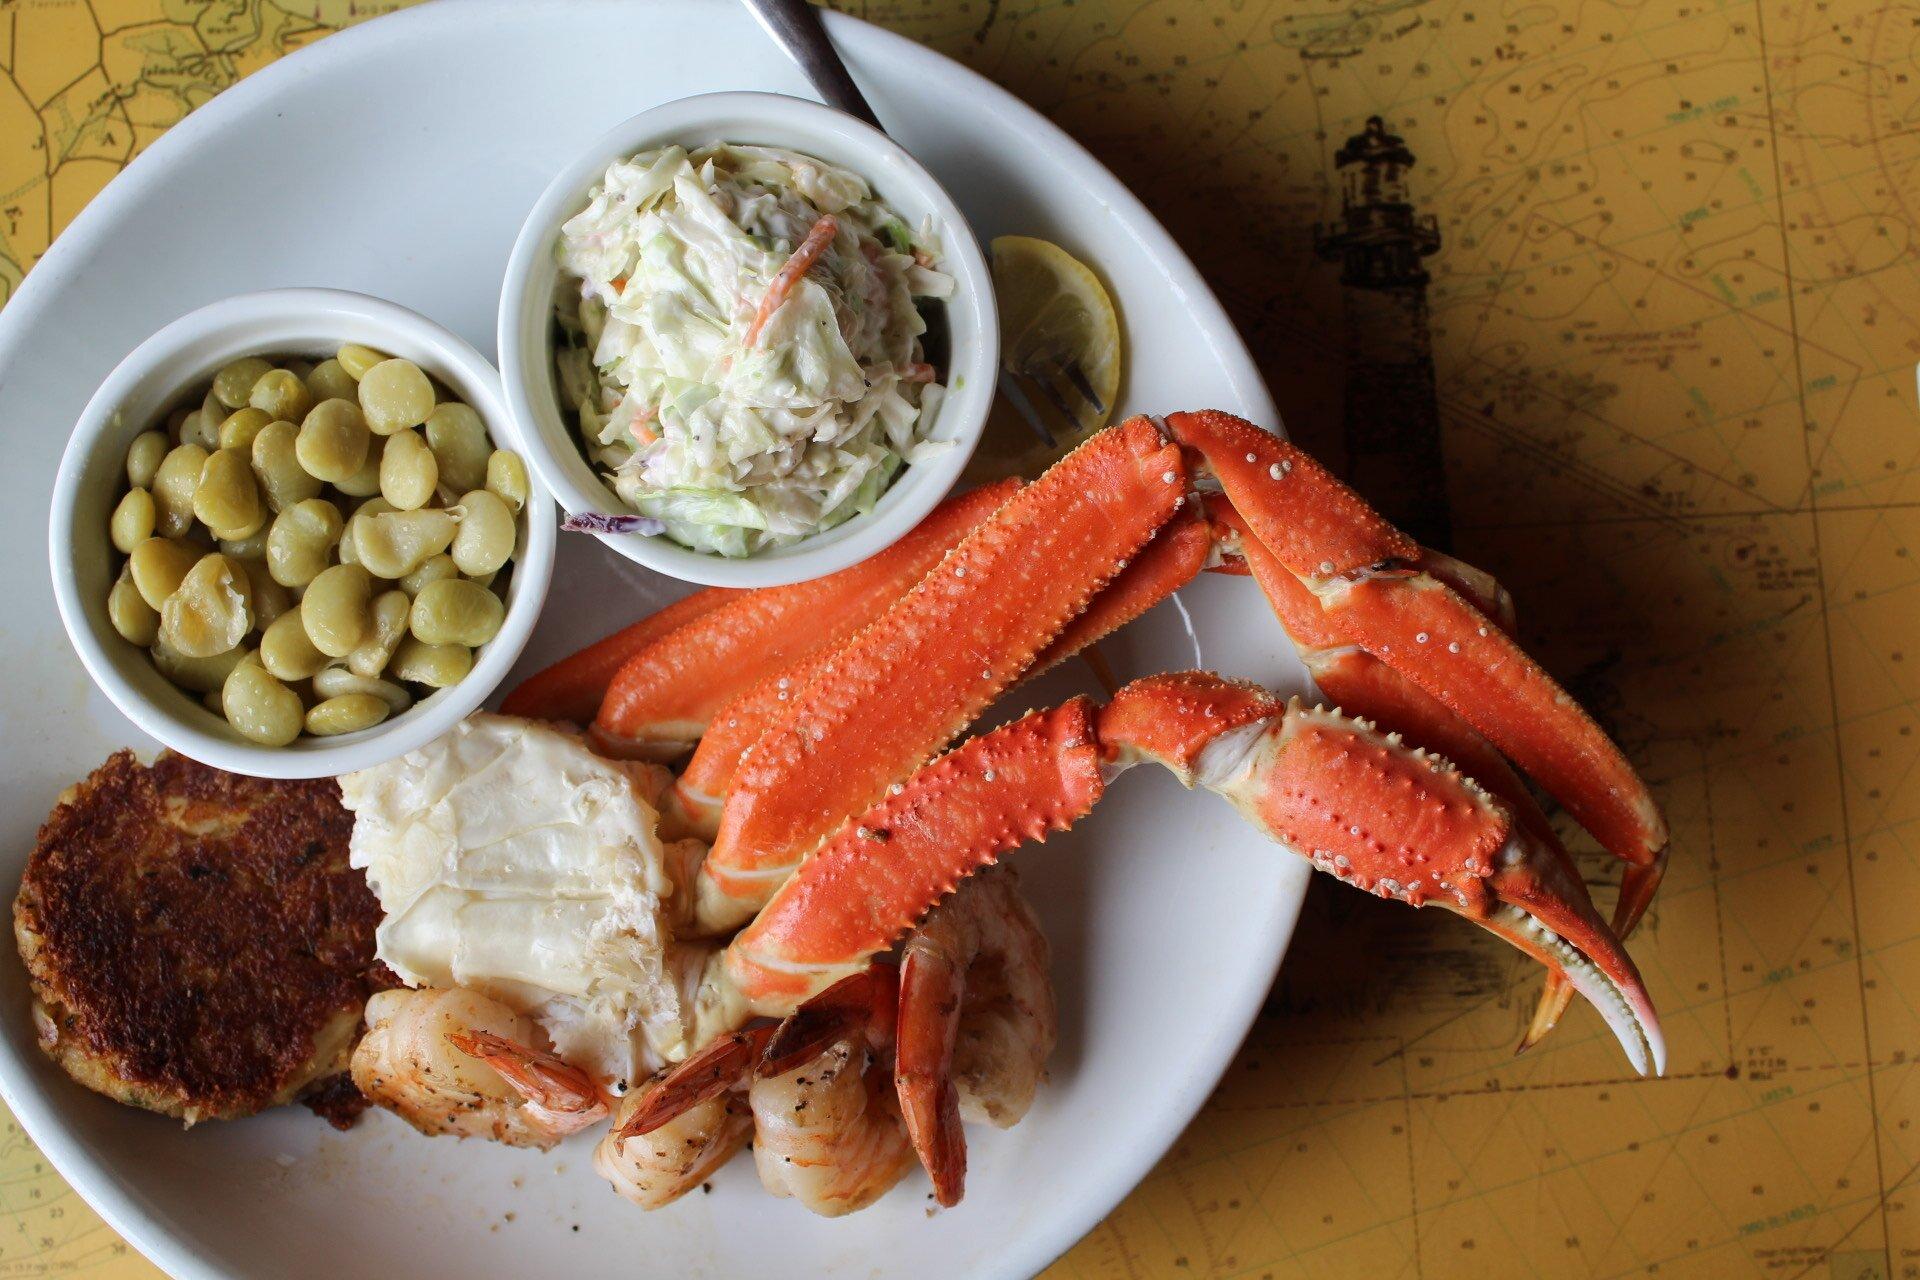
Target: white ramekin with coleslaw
<point x="962" y="344"/>
<point x="742" y="342"/>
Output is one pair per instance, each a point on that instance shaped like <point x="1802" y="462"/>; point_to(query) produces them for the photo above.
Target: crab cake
<point x="196" y="941"/>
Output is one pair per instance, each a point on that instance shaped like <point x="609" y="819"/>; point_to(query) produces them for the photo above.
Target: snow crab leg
<point x="671" y="682"/>
<point x="574" y="688"/>
<point x="903" y="688"/>
<point x="1361" y="806"/>
<point x="842" y="703"/>
<point x="1396" y="602"/>
<point x="1364" y="686"/>
<point x="977" y="622"/>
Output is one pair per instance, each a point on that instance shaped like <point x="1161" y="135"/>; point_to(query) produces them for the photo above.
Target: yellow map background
<point x="1675" y="320"/>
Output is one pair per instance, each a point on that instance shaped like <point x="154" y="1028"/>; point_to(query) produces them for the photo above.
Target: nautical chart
<point x="1649" y="326"/>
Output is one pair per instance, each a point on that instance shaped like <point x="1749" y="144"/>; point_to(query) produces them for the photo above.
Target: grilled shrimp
<point x="828" y="1132"/>
<point x="985" y="945"/>
<point x="657" y="1168"/>
<point x="847" y="1090"/>
<point x="977" y="1021"/>
<point x="815" y="1090"/>
<point x="455" y="1061"/>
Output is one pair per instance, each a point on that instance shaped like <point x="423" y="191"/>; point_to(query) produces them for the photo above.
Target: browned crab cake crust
<point x="196" y="941"/>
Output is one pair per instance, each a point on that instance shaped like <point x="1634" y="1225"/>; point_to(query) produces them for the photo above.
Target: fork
<point x="797" y="27"/>
<point x="1059" y="383"/>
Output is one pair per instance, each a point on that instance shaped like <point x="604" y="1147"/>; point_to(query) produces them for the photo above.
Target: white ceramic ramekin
<point x="527" y="329"/>
<point x="157" y="375"/>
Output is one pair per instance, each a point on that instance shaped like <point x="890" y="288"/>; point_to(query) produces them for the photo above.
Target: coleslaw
<point x="741" y="341"/>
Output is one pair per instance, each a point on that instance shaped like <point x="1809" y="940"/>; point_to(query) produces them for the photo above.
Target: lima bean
<point x="432" y="570"/>
<point x="198" y="675"/>
<point x="485" y="538"/>
<point x="251" y="547"/>
<point x="408" y="471"/>
<point x="259" y="707"/>
<point x="507" y="478"/>
<point x="455" y="611"/>
<point x="137" y="621"/>
<point x="287" y="651"/>
<point x="301" y="540"/>
<point x="329" y="381"/>
<point x="348" y="713"/>
<point x="393" y="544"/>
<point x="392" y="611"/>
<point x="276" y="465"/>
<point x="234" y="383"/>
<point x="201" y="428"/>
<point x="337" y="609"/>
<point x="173" y="488"/>
<point x="332" y="443"/>
<point x="281" y="395"/>
<point x="133" y="521"/>
<point x="365" y="482"/>
<point x="270" y="599"/>
<point x="459" y="442"/>
<point x="158" y="566"/>
<point x="434" y="665"/>
<point x="211" y="610"/>
<point x="395" y="395"/>
<point x="356" y="359"/>
<point x="144" y="456"/>
<point x="226" y="500"/>
<point x="333" y="680"/>
<point x="241" y="426"/>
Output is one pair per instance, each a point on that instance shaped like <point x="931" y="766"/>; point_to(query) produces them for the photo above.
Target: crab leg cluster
<point x="1364" y="686"/>
<point x="1361" y="807"/>
<point x="818" y="712"/>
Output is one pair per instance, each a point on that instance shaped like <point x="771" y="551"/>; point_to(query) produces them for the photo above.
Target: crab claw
<point x="1542" y="908"/>
<point x="1395" y="821"/>
<point x="1436" y="621"/>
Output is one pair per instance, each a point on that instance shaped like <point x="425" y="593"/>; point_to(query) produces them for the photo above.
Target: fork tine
<point x="1010" y="388"/>
<point x="1052" y="392"/>
<point x="1073" y="373"/>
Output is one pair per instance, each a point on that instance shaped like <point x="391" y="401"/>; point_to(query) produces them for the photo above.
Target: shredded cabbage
<point x="739" y="446"/>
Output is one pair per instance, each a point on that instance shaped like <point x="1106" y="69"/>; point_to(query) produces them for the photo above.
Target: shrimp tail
<point x="562" y="1096"/>
<point x="709" y="1073"/>
<point x="861" y="1005"/>
<point x="932" y="987"/>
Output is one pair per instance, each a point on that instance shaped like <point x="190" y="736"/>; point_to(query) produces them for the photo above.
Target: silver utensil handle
<point x="797" y="26"/>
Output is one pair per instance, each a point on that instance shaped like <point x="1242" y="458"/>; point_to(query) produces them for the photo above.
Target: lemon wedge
<point x="1059" y="350"/>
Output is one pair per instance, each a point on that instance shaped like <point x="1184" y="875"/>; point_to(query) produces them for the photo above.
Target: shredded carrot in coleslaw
<point x="798" y="265"/>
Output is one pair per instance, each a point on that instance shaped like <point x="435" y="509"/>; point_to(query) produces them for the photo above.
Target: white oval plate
<point x="399" y="158"/>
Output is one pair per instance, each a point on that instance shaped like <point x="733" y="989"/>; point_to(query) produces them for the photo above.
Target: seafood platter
<point x="821" y="736"/>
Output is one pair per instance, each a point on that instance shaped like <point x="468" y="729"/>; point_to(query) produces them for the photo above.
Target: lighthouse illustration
<point x="1392" y="421"/>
